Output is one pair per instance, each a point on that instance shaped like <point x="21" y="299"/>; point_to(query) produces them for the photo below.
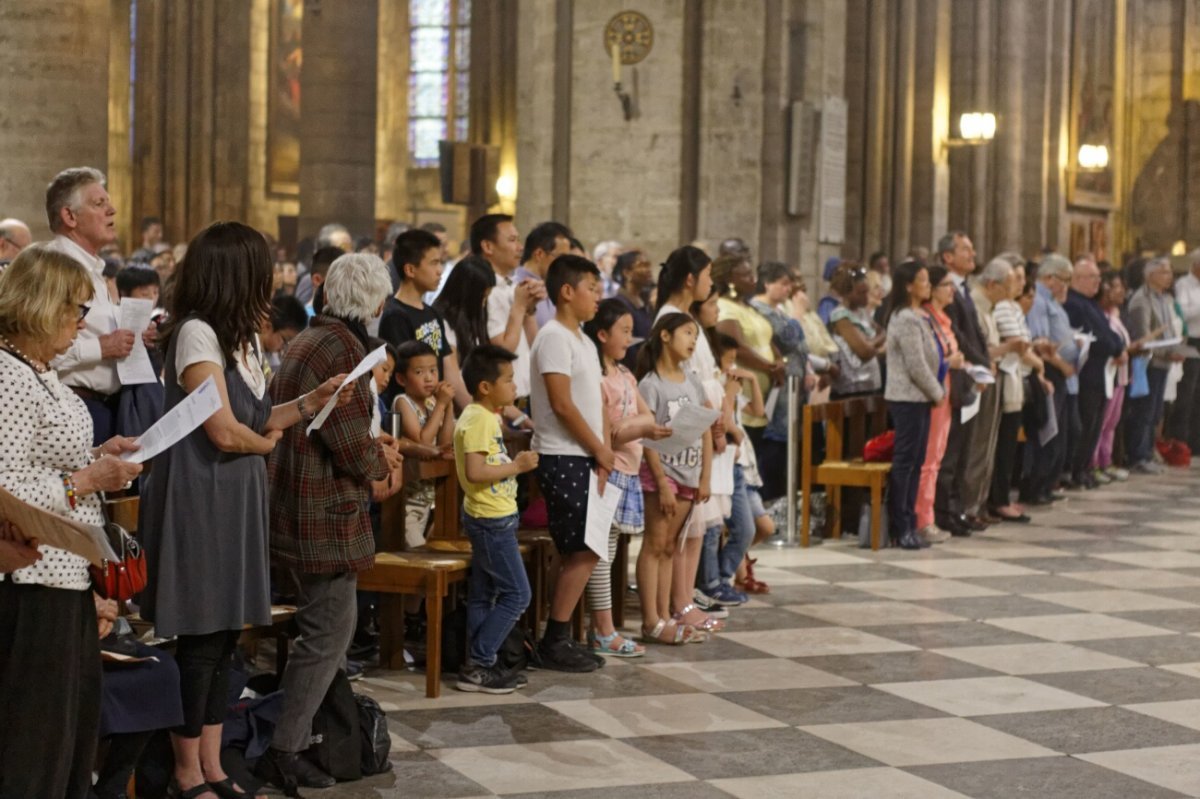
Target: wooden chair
<point x="848" y="425"/>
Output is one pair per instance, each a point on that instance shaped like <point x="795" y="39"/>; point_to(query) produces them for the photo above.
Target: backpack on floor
<point x="336" y="745"/>
<point x="376" y="742"/>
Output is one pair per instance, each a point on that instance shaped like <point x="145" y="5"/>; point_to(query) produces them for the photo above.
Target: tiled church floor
<point x="1058" y="659"/>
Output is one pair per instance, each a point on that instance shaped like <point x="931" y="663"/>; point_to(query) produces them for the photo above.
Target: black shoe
<point x="486" y="680"/>
<point x="975" y="525"/>
<point x="563" y="654"/>
<point x="953" y="525"/>
<point x="909" y="540"/>
<point x="289" y="770"/>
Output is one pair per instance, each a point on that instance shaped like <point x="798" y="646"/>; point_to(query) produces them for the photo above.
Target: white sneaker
<point x="1117" y="473"/>
<point x="933" y="534"/>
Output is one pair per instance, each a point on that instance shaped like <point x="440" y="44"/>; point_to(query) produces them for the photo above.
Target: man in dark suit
<point x="1086" y="315"/>
<point x="956" y="252"/>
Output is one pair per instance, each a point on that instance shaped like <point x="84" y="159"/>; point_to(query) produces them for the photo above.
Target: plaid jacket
<point x="319" y="484"/>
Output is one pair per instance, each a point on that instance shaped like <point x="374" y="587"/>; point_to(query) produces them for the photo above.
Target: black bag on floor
<point x="336" y="735"/>
<point x="376" y="743"/>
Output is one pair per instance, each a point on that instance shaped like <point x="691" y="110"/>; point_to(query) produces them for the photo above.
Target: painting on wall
<point x="1095" y="43"/>
<point x="285" y="56"/>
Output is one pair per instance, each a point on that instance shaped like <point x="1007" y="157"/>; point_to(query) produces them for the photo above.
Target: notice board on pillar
<point x="832" y="222"/>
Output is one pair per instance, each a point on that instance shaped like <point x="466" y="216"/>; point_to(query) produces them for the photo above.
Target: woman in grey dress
<point x="204" y="511"/>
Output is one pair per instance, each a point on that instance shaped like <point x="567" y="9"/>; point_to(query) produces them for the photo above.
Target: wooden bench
<point x="428" y="574"/>
<point x="849" y="424"/>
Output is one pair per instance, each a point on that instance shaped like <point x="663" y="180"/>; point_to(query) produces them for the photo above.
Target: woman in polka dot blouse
<point x="50" y="621"/>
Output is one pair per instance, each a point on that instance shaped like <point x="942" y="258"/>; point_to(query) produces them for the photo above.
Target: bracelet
<point x="304" y="416"/>
<point x="69" y="488"/>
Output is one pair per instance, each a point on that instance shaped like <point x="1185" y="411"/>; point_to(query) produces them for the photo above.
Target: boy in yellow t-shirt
<point x="499" y="589"/>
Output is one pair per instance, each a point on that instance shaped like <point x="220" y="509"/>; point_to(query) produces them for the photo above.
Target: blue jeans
<point x="911" y="420"/>
<point x="499" y="588"/>
<point x="719" y="564"/>
<point x="1142" y="415"/>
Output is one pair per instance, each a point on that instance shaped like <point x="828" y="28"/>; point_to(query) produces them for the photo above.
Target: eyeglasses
<point x="83" y="311"/>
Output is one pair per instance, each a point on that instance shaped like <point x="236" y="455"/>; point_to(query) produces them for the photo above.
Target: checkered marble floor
<point x="1060" y="658"/>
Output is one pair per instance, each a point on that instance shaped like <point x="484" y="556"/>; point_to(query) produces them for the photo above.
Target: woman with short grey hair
<point x="320" y="486"/>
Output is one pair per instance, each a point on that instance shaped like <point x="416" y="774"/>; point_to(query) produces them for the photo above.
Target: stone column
<point x="53" y="98"/>
<point x="1013" y="50"/>
<point x="337" y="129"/>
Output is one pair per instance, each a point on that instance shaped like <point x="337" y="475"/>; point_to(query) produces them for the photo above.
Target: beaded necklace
<point x="33" y="363"/>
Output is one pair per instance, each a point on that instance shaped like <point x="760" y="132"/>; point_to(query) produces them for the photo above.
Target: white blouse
<point x="45" y="430"/>
<point x="197" y="343"/>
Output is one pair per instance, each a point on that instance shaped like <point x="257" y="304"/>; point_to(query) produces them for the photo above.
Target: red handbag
<point x="880" y="448"/>
<point x="125" y="578"/>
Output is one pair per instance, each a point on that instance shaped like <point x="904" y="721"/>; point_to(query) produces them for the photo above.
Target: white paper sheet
<point x="134" y="315"/>
<point x="1085" y="341"/>
<point x="1161" y="343"/>
<point x="1110" y="377"/>
<point x="969" y="411"/>
<point x="368" y="363"/>
<point x="687" y="427"/>
<point x="772" y="401"/>
<point x="53" y="530"/>
<point x="722" y="470"/>
<point x="177" y="423"/>
<point x="600" y="513"/>
<point x="981" y="374"/>
<point x="1050" y="428"/>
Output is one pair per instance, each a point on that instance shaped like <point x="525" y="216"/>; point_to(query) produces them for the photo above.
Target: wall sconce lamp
<point x="1092" y="157"/>
<point x="622" y="95"/>
<point x="975" y="128"/>
<point x="506" y="187"/>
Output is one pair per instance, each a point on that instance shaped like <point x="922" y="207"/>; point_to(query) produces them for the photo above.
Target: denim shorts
<point x="756" y="504"/>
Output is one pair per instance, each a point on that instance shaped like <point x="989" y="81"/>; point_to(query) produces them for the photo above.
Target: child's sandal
<point x="603" y="645"/>
<point x="709" y="625"/>
<point x="684" y="634"/>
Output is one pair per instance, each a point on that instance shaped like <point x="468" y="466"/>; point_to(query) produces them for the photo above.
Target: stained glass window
<point x="439" y="76"/>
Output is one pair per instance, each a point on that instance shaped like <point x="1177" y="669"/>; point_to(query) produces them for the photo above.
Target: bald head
<point x="14" y="237"/>
<point x="1085" y="277"/>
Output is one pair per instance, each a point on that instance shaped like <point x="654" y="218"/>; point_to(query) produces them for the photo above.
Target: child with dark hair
<point x="499" y="589"/>
<point x="570" y="433"/>
<point x="630" y="421"/>
<point x="138" y="282"/>
<point x="674" y="483"/>
<point x="426" y="410"/>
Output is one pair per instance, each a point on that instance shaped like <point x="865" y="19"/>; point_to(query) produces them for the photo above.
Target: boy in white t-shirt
<point x="570" y="436"/>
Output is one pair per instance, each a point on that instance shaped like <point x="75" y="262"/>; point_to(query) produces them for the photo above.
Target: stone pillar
<point x="1013" y="49"/>
<point x="337" y="129"/>
<point x="53" y="98"/>
<point x="902" y="153"/>
<point x="982" y="97"/>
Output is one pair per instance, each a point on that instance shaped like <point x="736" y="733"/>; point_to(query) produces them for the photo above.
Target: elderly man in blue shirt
<point x="1054" y="341"/>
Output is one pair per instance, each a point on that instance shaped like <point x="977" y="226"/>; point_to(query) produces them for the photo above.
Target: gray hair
<point x="998" y="270"/>
<point x="1013" y="257"/>
<point x="63" y="192"/>
<point x="1055" y="265"/>
<point x="325" y="234"/>
<point x="1155" y="264"/>
<point x="604" y="248"/>
<point x="356" y="285"/>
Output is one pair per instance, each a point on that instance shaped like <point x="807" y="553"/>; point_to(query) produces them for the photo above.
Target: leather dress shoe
<point x="909" y="540"/>
<point x="954" y="525"/>
<point x="976" y="524"/>
<point x="287" y="770"/>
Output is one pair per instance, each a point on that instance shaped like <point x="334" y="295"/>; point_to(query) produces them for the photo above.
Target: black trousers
<point x="1074" y="430"/>
<point x="1044" y="464"/>
<point x="1184" y="422"/>
<point x="1006" y="457"/>
<point x="49" y="691"/>
<point x="204" y="662"/>
<point x="948" y="502"/>
<point x="911" y="420"/>
<point x="1092" y="402"/>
